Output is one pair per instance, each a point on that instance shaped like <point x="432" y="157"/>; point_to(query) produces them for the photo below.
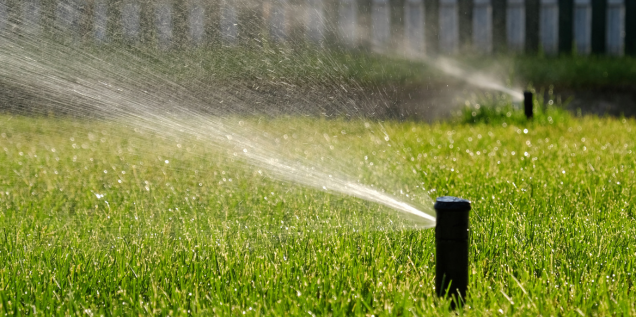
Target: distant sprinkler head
<point x="451" y="247"/>
<point x="527" y="104"/>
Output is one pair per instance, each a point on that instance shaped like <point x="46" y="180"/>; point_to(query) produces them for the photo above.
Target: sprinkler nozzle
<point x="451" y="244"/>
<point x="527" y="104"/>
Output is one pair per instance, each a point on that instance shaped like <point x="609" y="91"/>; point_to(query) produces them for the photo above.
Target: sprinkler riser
<point x="527" y="104"/>
<point x="451" y="244"/>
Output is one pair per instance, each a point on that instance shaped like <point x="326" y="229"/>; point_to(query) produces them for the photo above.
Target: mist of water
<point x="477" y="79"/>
<point x="77" y="81"/>
<point x="111" y="80"/>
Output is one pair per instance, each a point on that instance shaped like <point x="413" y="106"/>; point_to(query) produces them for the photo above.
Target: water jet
<point x="451" y="247"/>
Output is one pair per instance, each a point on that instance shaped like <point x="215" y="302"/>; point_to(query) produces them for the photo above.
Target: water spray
<point x="527" y="104"/>
<point x="451" y="244"/>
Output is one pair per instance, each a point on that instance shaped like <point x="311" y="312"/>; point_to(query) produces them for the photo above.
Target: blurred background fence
<point x="405" y="27"/>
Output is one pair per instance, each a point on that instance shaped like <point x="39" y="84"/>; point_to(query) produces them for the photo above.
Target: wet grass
<point x="100" y="219"/>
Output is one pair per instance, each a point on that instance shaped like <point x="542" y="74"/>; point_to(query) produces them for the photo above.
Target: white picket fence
<point x="482" y="26"/>
<point x="516" y="25"/>
<point x="615" y="26"/>
<point x="383" y="32"/>
<point x="414" y="27"/>
<point x="583" y="26"/>
<point x="448" y="26"/>
<point x="196" y="21"/>
<point x="549" y="26"/>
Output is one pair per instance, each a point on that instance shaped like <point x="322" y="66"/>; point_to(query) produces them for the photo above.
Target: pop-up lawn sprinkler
<point x="451" y="244"/>
<point x="527" y="104"/>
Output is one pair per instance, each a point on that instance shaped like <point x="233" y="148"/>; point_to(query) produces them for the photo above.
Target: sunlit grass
<point x="99" y="219"/>
<point x="500" y="109"/>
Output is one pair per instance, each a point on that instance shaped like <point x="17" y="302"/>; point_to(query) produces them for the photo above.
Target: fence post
<point x="315" y="21"/>
<point x="67" y="14"/>
<point x="348" y="22"/>
<point x="278" y="21"/>
<point x="229" y="22"/>
<point x="482" y="26"/>
<point x="448" y="26"/>
<point x="31" y="17"/>
<point x="196" y="22"/>
<point x="516" y="25"/>
<point x="549" y="27"/>
<point x="100" y="21"/>
<point x="615" y="27"/>
<point x="164" y="23"/>
<point x="381" y="16"/>
<point x="414" y="27"/>
<point x="583" y="26"/>
<point x="130" y="18"/>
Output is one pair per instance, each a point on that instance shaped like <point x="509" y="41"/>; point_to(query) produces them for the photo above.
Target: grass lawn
<point x="99" y="219"/>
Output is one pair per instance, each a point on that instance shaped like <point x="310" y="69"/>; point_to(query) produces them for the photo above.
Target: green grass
<point x="491" y="108"/>
<point x="552" y="226"/>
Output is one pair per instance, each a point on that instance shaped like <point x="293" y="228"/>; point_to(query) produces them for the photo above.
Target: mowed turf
<point x="99" y="219"/>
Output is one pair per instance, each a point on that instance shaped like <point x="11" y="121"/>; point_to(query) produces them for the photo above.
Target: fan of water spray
<point x="131" y="86"/>
<point x="477" y="79"/>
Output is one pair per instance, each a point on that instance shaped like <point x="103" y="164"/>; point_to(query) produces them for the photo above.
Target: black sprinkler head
<point x="451" y="244"/>
<point x="527" y="104"/>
